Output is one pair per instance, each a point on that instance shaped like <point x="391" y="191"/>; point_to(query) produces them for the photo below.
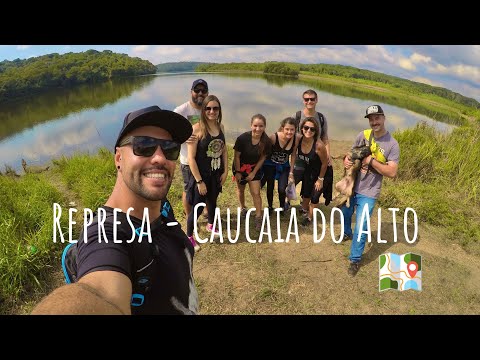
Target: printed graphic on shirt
<point x="279" y="157"/>
<point x="302" y="161"/>
<point x="214" y="151"/>
<point x="193" y="119"/>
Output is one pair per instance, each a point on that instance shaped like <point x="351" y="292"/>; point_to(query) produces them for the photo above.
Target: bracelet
<point x="320" y="178"/>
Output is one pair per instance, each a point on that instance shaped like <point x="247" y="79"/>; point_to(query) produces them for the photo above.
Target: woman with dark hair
<point x="207" y="158"/>
<point x="310" y="167"/>
<point x="251" y="150"/>
<point x="277" y="165"/>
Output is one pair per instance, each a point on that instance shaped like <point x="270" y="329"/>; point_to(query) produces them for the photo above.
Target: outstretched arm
<point x="99" y="292"/>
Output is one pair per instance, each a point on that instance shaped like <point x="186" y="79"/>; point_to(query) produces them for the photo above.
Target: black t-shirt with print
<point x="162" y="270"/>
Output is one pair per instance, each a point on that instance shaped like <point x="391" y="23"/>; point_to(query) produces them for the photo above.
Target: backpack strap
<point x="322" y="122"/>
<point x="286" y="144"/>
<point x="298" y="115"/>
<point x="374" y="148"/>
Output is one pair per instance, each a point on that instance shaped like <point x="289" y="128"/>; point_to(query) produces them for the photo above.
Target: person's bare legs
<point x="186" y="206"/>
<point x="305" y="204"/>
<point x="310" y="210"/>
<point x="241" y="195"/>
<point x="257" y="199"/>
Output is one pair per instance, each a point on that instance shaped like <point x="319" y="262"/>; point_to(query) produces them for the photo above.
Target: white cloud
<point x="23" y="47"/>
<point x="418" y="58"/>
<point x="140" y="48"/>
<point x="406" y="64"/>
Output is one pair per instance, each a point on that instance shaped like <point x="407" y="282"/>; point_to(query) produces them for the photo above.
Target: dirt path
<point x="309" y="278"/>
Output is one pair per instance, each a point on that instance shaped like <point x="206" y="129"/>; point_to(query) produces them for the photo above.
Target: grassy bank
<point x="438" y="177"/>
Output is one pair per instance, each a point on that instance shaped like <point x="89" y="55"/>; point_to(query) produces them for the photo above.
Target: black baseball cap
<point x="200" y="82"/>
<point x="374" y="110"/>
<point x="177" y="125"/>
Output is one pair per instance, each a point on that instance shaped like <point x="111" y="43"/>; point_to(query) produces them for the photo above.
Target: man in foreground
<point x="135" y="277"/>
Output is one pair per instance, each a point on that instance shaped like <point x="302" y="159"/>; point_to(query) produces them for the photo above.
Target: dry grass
<point x="309" y="278"/>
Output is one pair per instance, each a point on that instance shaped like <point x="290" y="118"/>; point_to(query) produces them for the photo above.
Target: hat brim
<point x="178" y="126"/>
<point x="378" y="113"/>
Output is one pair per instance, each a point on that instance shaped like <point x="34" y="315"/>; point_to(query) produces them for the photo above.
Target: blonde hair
<point x="203" y="123"/>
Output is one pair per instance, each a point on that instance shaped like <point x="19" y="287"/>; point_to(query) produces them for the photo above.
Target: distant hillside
<point x="26" y="77"/>
<point x="182" y="66"/>
<point x="411" y="87"/>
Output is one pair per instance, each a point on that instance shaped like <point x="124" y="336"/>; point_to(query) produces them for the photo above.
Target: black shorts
<point x="186" y="175"/>
<point x="308" y="179"/>
<point x="258" y="175"/>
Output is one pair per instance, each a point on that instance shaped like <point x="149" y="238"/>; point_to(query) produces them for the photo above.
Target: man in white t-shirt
<point x="190" y="110"/>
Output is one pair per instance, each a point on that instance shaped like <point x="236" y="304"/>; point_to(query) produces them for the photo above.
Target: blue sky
<point x="455" y="67"/>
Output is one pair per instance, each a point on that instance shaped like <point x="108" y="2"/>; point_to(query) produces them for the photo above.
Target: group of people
<point x="156" y="278"/>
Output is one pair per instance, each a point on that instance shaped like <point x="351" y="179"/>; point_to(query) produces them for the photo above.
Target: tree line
<point x="182" y="66"/>
<point x="293" y="69"/>
<point x="20" y="78"/>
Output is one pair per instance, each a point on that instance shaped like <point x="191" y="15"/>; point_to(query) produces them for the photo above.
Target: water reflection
<point x="88" y="117"/>
<point x="60" y="103"/>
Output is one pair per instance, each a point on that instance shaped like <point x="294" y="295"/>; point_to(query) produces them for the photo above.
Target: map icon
<point x="400" y="272"/>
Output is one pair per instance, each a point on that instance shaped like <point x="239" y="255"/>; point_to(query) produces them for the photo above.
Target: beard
<point x="135" y="182"/>
<point x="198" y="100"/>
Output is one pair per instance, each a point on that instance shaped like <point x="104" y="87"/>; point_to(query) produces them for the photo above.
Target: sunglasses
<point x="215" y="108"/>
<point x="309" y="99"/>
<point x="146" y="146"/>
<point x="311" y="128"/>
<point x="197" y="91"/>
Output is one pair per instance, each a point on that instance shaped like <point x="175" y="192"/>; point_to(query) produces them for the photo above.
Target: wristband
<point x="320" y="178"/>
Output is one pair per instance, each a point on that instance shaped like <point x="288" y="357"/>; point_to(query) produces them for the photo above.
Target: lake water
<point x="88" y="117"/>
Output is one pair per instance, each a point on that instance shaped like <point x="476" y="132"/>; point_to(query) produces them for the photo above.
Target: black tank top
<point x="309" y="160"/>
<point x="209" y="154"/>
<point x="280" y="155"/>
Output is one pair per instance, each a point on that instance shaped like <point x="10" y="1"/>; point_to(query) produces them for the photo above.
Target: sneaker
<point x="287" y="206"/>
<point x="303" y="212"/>
<point x="243" y="212"/>
<point x="210" y="229"/>
<point x="346" y="237"/>
<point x="305" y="221"/>
<point x="196" y="247"/>
<point x="353" y="268"/>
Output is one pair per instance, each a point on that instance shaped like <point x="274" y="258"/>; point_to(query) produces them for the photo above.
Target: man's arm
<point x="98" y="292"/>
<point x="389" y="169"/>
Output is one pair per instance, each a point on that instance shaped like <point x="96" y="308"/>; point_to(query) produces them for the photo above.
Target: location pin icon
<point x="412" y="268"/>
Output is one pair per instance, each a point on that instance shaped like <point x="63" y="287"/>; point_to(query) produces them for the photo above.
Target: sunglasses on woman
<point x="146" y="146"/>
<point x="311" y="128"/>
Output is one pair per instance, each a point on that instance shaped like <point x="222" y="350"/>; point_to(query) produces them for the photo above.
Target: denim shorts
<point x="186" y="175"/>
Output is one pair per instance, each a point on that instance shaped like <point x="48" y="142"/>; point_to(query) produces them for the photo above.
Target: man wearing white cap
<point x="382" y="162"/>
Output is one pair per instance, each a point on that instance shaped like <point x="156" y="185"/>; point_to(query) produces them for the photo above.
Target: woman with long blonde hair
<point x="207" y="158"/>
